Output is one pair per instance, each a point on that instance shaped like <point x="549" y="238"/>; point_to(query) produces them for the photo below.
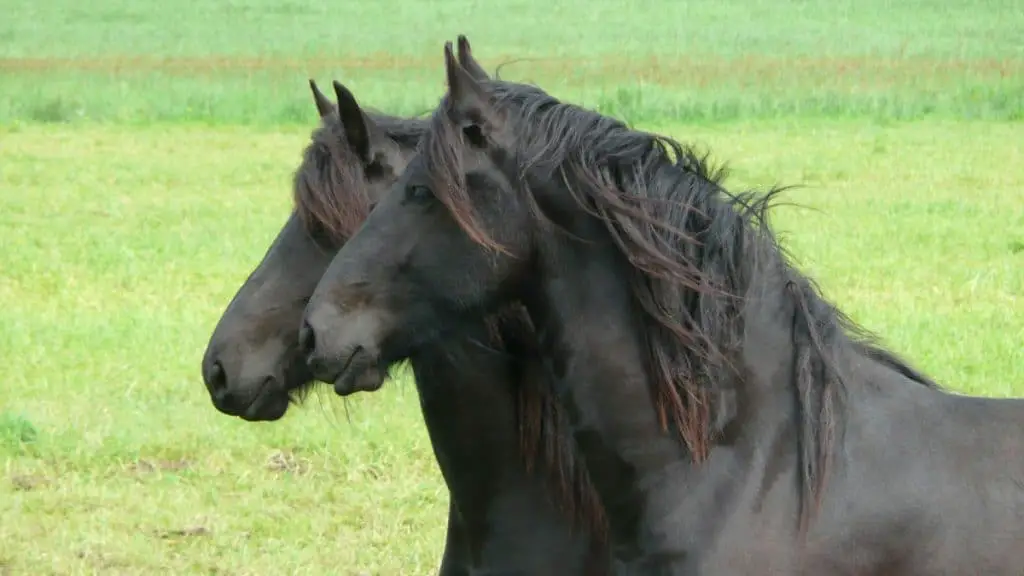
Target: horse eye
<point x="419" y="193"/>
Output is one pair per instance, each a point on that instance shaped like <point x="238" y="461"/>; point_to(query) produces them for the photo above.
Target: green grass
<point x="145" y="158"/>
<point x="704" y="60"/>
<point x="122" y="245"/>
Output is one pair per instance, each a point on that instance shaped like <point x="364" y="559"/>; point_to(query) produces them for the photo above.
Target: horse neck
<point x="592" y="341"/>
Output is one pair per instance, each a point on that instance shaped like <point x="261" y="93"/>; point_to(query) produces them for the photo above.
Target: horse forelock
<point x="440" y="151"/>
<point x="330" y="190"/>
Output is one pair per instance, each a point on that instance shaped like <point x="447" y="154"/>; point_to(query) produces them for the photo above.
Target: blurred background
<point x="649" y="60"/>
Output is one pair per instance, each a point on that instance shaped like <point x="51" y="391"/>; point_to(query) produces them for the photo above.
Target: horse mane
<point x="695" y="250"/>
<point x="329" y="187"/>
<point x="545" y="433"/>
<point x="332" y="200"/>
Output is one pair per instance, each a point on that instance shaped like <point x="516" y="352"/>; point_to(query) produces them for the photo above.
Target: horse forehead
<point x="400" y="159"/>
<point x="417" y="165"/>
<point x="376" y="191"/>
<point x="488" y="161"/>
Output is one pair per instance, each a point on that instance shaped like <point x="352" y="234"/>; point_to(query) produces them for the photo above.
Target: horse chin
<point x="369" y="380"/>
<point x="270" y="405"/>
<point x="363" y="373"/>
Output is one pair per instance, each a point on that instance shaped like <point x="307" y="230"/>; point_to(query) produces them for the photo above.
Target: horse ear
<point x="323" y="105"/>
<point x="468" y="62"/>
<point x="469" y="105"/>
<point x="359" y="129"/>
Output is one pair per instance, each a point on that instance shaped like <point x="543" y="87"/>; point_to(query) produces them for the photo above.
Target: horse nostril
<point x="307" y="341"/>
<point x="216" y="378"/>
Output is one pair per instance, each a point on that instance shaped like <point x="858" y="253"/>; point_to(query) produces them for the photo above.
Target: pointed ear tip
<point x="342" y="91"/>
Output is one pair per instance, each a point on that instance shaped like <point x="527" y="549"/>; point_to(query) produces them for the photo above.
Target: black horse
<point x="505" y="517"/>
<point x="733" y="421"/>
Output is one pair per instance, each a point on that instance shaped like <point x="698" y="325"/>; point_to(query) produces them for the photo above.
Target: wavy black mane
<point x="697" y="251"/>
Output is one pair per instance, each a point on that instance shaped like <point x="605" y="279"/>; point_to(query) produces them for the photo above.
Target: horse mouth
<point x="360" y="373"/>
<point x="270" y="403"/>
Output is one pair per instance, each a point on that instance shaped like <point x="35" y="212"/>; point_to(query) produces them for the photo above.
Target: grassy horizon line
<point x="272" y="90"/>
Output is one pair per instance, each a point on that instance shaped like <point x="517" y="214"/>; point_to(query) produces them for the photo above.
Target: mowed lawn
<point x="122" y="245"/>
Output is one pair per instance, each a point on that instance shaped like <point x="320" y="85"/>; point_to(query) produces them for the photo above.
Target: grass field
<point x="698" y="60"/>
<point x="145" y="158"/>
